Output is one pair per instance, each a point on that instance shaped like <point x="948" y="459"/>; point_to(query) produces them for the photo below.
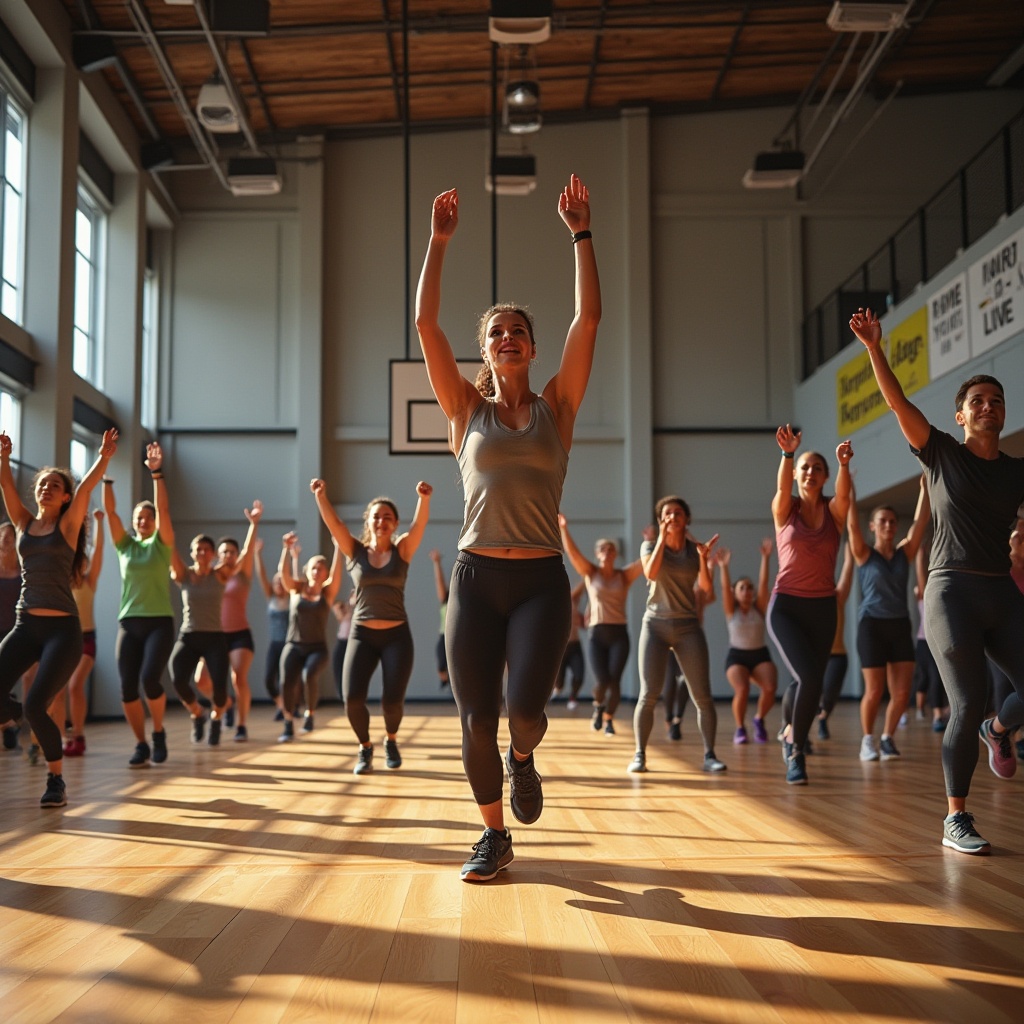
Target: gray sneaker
<point x="888" y="749"/>
<point x="365" y="763"/>
<point x="712" y="764"/>
<point x="491" y="854"/>
<point x="392" y="758"/>
<point x="639" y="762"/>
<point x="525" y="797"/>
<point x="867" y="749"/>
<point x="959" y="833"/>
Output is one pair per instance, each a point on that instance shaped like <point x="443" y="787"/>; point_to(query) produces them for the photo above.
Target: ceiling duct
<point x="253" y="176"/>
<point x="216" y="109"/>
<point x="512" y="175"/>
<point x="776" y="169"/>
<point x="519" y="21"/>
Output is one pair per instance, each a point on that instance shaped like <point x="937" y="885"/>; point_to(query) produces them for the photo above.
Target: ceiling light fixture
<point x="214" y="108"/>
<point x="521" y="110"/>
<point x="775" y="169"/>
<point x="253" y="176"/>
<point x="519" y="21"/>
<point x="867" y="17"/>
<point x="512" y="175"/>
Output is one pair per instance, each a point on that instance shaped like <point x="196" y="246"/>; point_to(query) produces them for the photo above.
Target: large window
<point x="10" y="417"/>
<point x="150" y="349"/>
<point x="83" y="453"/>
<point x="90" y="224"/>
<point x="12" y="205"/>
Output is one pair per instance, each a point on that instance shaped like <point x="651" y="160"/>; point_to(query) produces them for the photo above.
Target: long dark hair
<point x="78" y="562"/>
<point x="484" y="379"/>
<point x="381" y="500"/>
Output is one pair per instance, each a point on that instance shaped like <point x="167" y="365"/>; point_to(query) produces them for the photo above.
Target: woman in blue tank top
<point x="509" y="605"/>
<point x="51" y="547"/>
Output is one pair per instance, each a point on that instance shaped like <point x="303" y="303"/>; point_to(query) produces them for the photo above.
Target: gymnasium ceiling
<point x="334" y="68"/>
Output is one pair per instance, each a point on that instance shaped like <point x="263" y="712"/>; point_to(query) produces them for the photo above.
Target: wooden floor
<point x="261" y="883"/>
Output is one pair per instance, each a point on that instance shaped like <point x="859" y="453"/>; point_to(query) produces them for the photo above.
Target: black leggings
<point x="572" y="665"/>
<point x="301" y="663"/>
<point x="835" y="676"/>
<point x="338" y="666"/>
<point x="272" y="668"/>
<point x="143" y="647"/>
<point x="928" y="680"/>
<point x="190" y="649"/>
<point x="55" y="641"/>
<point x="967" y="617"/>
<point x="504" y="612"/>
<point x="803" y="629"/>
<point x="390" y="648"/>
<point x="609" y="650"/>
<point x="676" y="695"/>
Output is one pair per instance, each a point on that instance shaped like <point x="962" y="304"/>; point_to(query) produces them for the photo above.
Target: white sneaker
<point x="571" y="705"/>
<point x="868" y="750"/>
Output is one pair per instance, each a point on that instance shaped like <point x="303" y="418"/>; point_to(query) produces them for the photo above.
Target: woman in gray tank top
<point x="509" y="601"/>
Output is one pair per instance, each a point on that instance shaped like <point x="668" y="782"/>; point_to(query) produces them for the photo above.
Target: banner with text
<point x="858" y="400"/>
<point x="948" y="341"/>
<point x="996" y="290"/>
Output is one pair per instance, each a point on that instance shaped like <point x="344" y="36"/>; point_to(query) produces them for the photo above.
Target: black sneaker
<point x="823" y="733"/>
<point x="609" y="729"/>
<point x="307" y="722"/>
<point x="229" y="717"/>
<point x="675" y="731"/>
<point x="491" y="854"/>
<point x="787" y="751"/>
<point x="959" y="833"/>
<point x="159" y="747"/>
<point x="279" y="715"/>
<point x="140" y="759"/>
<point x="287" y="733"/>
<point x="198" y="728"/>
<point x="796" y="773"/>
<point x="887" y="749"/>
<point x="1019" y="747"/>
<point x="639" y="762"/>
<point x="525" y="796"/>
<point x="241" y="734"/>
<point x="595" y="721"/>
<point x="11" y="737"/>
<point x="365" y="763"/>
<point x="56" y="794"/>
<point x="215" y="725"/>
<point x="392" y="758"/>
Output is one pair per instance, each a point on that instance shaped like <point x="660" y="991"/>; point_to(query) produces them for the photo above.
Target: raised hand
<point x="154" y="456"/>
<point x="574" y="205"/>
<point x="705" y="549"/>
<point x="290" y="540"/>
<point x="6" y="445"/>
<point x="787" y="438"/>
<point x="424" y="490"/>
<point x="766" y="546"/>
<point x="98" y="515"/>
<point x="649" y="534"/>
<point x="724" y="556"/>
<point x="435" y="555"/>
<point x="444" y="215"/>
<point x="316" y="485"/>
<point x="108" y="446"/>
<point x="255" y="513"/>
<point x="844" y="452"/>
<point x="866" y="327"/>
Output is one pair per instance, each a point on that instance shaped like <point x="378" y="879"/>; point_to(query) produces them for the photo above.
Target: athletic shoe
<point x="1000" y="750"/>
<point x="525" y="796"/>
<point x="140" y="759"/>
<point x="919" y="715"/>
<point x="1020" y="750"/>
<point x="888" y="749"/>
<point x="868" y="752"/>
<point x="198" y="727"/>
<point x="787" y="751"/>
<point x="229" y="717"/>
<point x="760" y="732"/>
<point x="741" y="736"/>
<point x="491" y="854"/>
<point x="595" y="722"/>
<point x="56" y="794"/>
<point x="796" y="773"/>
<point x="939" y="725"/>
<point x="392" y="758"/>
<point x="903" y="721"/>
<point x="287" y="732"/>
<point x="241" y="734"/>
<point x="639" y="762"/>
<point x="33" y="753"/>
<point x="675" y="731"/>
<point x="307" y="722"/>
<point x="712" y="764"/>
<point x="279" y="715"/>
<point x="365" y="763"/>
<point x="959" y="833"/>
<point x="74" y="746"/>
<point x="159" y="747"/>
<point x="609" y="729"/>
<point x="571" y="705"/>
<point x="823" y="733"/>
<point x="215" y="726"/>
<point x="11" y="737"/>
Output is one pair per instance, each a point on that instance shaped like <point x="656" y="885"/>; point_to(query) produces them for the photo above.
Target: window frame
<point x="9" y="103"/>
<point x="87" y="204"/>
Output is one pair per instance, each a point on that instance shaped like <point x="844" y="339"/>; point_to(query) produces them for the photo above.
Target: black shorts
<point x="240" y="640"/>
<point x="748" y="659"/>
<point x="881" y="642"/>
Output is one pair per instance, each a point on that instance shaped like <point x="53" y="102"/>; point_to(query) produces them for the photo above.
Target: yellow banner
<point x="858" y="400"/>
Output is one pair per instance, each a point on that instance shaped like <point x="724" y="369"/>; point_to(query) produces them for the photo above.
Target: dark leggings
<point x="609" y="650"/>
<point x="338" y="665"/>
<point x="142" y="649"/>
<point x="390" y="648"/>
<point x="272" y="668"/>
<point x="928" y="679"/>
<point x="676" y="696"/>
<point x="967" y="617"/>
<point x="803" y="629"/>
<point x="55" y="641"/>
<point x="835" y="676"/>
<point x="504" y="612"/>
<point x="572" y="665"/>
<point x="190" y="649"/>
<point x="301" y="664"/>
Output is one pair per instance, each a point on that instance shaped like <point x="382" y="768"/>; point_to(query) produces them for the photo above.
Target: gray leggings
<point x="966" y="617"/>
<point x="685" y="639"/>
<point x="504" y="612"/>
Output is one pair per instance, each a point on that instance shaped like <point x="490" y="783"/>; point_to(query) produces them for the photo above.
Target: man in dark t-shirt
<point x="972" y="606"/>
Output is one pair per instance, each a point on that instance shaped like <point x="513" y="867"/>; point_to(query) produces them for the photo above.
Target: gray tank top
<point x="607" y="596"/>
<point x="512" y="480"/>
<point x="307" y="620"/>
<point x="671" y="595"/>
<point x="46" y="563"/>
<point x="380" y="593"/>
<point x="200" y="603"/>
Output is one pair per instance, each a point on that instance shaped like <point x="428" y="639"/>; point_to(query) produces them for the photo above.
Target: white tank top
<point x="746" y="629"/>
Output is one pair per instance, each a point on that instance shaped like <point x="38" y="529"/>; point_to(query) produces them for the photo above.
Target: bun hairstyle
<point x="79" y="561"/>
<point x="484" y="379"/>
<point x="365" y="537"/>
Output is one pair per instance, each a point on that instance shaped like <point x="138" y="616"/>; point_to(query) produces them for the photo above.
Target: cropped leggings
<point x="301" y="664"/>
<point x="504" y="612"/>
<point x="143" y="645"/>
<point x="683" y="638"/>
<point x="803" y="629"/>
<point x="390" y="648"/>
<point x="608" y="645"/>
<point x="189" y="650"/>
<point x="272" y="668"/>
<point x="966" y="617"/>
<point x="55" y="641"/>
